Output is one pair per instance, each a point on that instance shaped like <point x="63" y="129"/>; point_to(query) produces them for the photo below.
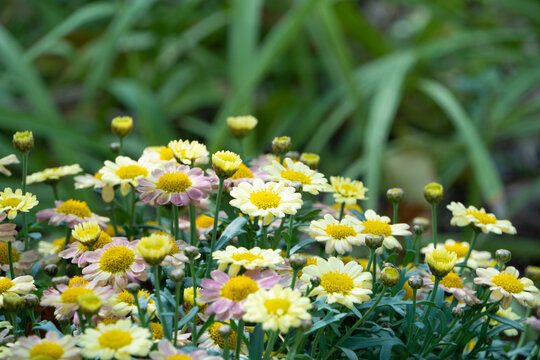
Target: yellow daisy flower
<point x="376" y="224"/>
<point x="87" y="232"/>
<point x="154" y="248"/>
<point x="13" y="203"/>
<point x="248" y="259"/>
<point x="125" y="172"/>
<point x="338" y="235"/>
<point x="53" y="174"/>
<point x="476" y="259"/>
<point x="441" y="261"/>
<point x="226" y="163"/>
<point x="478" y="218"/>
<point x="346" y="190"/>
<point x="311" y="180"/>
<point x="20" y="285"/>
<point x="189" y="152"/>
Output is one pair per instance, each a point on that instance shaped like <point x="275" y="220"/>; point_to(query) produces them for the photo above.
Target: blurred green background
<point x="396" y="93"/>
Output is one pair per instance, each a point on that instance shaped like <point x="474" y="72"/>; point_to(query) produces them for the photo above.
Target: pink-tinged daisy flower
<point x="64" y="297"/>
<point x="157" y="155"/>
<point x="176" y="257"/>
<point x="175" y="183"/>
<point x="53" y="346"/>
<point x="22" y="260"/>
<point x="116" y="263"/>
<point x="166" y="351"/>
<point x="89" y="180"/>
<point x="71" y="212"/>
<point x="453" y="284"/>
<point x="227" y="294"/>
<point x="506" y="285"/>
<point x="78" y="252"/>
<point x="7" y="231"/>
<point x="243" y="174"/>
<point x="376" y="224"/>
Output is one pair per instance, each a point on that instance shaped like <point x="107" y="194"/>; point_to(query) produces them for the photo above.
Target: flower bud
<point x="416" y="282"/>
<point x="297" y="261"/>
<point x="305" y="325"/>
<point x="458" y="312"/>
<point x="311" y="160"/>
<point x="315" y="281"/>
<point x="294" y="155"/>
<point x="133" y="288"/>
<point x="226" y="163"/>
<point x="297" y="185"/>
<point x="503" y="256"/>
<point x="59" y="280"/>
<point x="241" y="126"/>
<point x="374" y="241"/>
<point x="191" y="252"/>
<point x="114" y="147"/>
<point x="89" y="303"/>
<point x="395" y="195"/>
<point x="225" y="331"/>
<point x="280" y="145"/>
<point x="121" y="125"/>
<point x="31" y="300"/>
<point x="23" y="141"/>
<point x="12" y="302"/>
<point x="51" y="269"/>
<point x="389" y="276"/>
<point x="177" y="275"/>
<point x="420" y="224"/>
<point x="433" y="192"/>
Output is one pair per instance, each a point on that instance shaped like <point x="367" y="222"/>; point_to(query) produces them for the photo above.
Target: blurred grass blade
<point x="484" y="169"/>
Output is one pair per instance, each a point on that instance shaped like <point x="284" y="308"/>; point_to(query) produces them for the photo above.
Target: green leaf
<point x="256" y="343"/>
<point x="301" y="244"/>
<point x="351" y="355"/>
<point x="232" y="230"/>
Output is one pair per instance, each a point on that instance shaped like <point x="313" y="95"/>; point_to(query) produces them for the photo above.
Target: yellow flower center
<point x="130" y="172"/>
<point x="339" y="232"/>
<point x="179" y="357"/>
<point x="218" y="339"/>
<point x="482" y="217"/>
<point x="508" y="282"/>
<point x="459" y="248"/>
<point x="348" y="188"/>
<point x="277" y="306"/>
<point x="376" y="227"/>
<point x="98" y="176"/>
<point x="4" y="259"/>
<point x="59" y="244"/>
<point x="174" y="182"/>
<point x="204" y="221"/>
<point x="243" y="172"/>
<point x="265" y="199"/>
<point x="157" y="331"/>
<point x="238" y="288"/>
<point x="46" y="350"/>
<point x="125" y="297"/>
<point x="293" y="175"/>
<point x="246" y="256"/>
<point x="109" y="320"/>
<point x="71" y="294"/>
<point x="75" y="207"/>
<point x="452" y="280"/>
<point x="166" y="154"/>
<point x="117" y="259"/>
<point x="336" y="282"/>
<point x="5" y="284"/>
<point x="115" y="339"/>
<point x="91" y="233"/>
<point x="77" y="281"/>
<point x="12" y="202"/>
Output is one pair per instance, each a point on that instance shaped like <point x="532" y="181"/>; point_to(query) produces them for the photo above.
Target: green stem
<point x="155" y="270"/>
<point x="113" y="219"/>
<point x="192" y="225"/>
<point x="434" y="223"/>
<point x="316" y="342"/>
<point x="270" y="345"/>
<point x="33" y="319"/>
<point x="291" y="231"/>
<point x="395" y="206"/>
<point x="54" y="186"/>
<point x="432" y="298"/>
<point x="214" y="230"/>
<point x="175" y="321"/>
<point x="24" y="172"/>
<point x="226" y="348"/>
<point x="471" y="246"/>
<point x="294" y="349"/>
<point x="372" y="263"/>
<point x="174" y="221"/>
<point x="121" y="142"/>
<point x="416" y="243"/>
<point x="81" y="320"/>
<point x="412" y="319"/>
<point x="10" y="260"/>
<point x="341" y="211"/>
<point x="194" y="280"/>
<point x="239" y="336"/>
<point x="132" y="213"/>
<point x="293" y="281"/>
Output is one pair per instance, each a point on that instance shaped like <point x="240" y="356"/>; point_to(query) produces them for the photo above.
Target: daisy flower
<point x="7" y="160"/>
<point x="226" y="163"/>
<point x="53" y="346"/>
<point x="53" y="174"/>
<point x="441" y="262"/>
<point x="157" y="154"/>
<point x="71" y="212"/>
<point x="240" y="126"/>
<point x="78" y="252"/>
<point x="22" y="260"/>
<point x="175" y="183"/>
<point x="278" y="308"/>
<point x="120" y="340"/>
<point x="64" y="297"/>
<point x="212" y="340"/>
<point x="248" y="259"/>
<point x="346" y="190"/>
<point x="20" y="285"/>
<point x="88" y="180"/>
<point x="453" y="284"/>
<point x="376" y="224"/>
<point x="345" y="284"/>
<point x="338" y="235"/>
<point x="478" y="218"/>
<point x="13" y="203"/>
<point x="266" y="199"/>
<point x="506" y="285"/>
<point x="7" y="230"/>
<point x="123" y="303"/>
<point x="189" y="152"/>
<point x="154" y="248"/>
<point x="115" y="263"/>
<point x="312" y="181"/>
<point x="176" y="257"/>
<point x="227" y="294"/>
<point x="167" y="351"/>
<point x="125" y="172"/>
<point x="476" y="259"/>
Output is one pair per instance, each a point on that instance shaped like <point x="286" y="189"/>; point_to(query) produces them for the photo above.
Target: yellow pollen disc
<point x="218" y="339"/>
<point x="117" y="259"/>
<point x="77" y="281"/>
<point x="482" y="217"/>
<point x="347" y="188"/>
<point x="243" y="172"/>
<point x="508" y="282"/>
<point x="98" y="176"/>
<point x="10" y="202"/>
<point x="204" y="221"/>
<point x="5" y="284"/>
<point x="126" y="297"/>
<point x="92" y="233"/>
<point x="174" y="182"/>
<point x="75" y="207"/>
<point x="277" y="306"/>
<point x="336" y="282"/>
<point x="265" y="199"/>
<point x="246" y="256"/>
<point x="59" y="244"/>
<point x="46" y="350"/>
<point x="157" y="331"/>
<point x="340" y="232"/>
<point x="102" y="240"/>
<point x="130" y="172"/>
<point x="179" y="357"/>
<point x="459" y="248"/>
<point x="452" y="280"/>
<point x="115" y="339"/>
<point x="166" y="154"/>
<point x="376" y="227"/>
<point x="4" y="258"/>
<point x="293" y="175"/>
<point x="109" y="320"/>
<point x="71" y="294"/>
<point x="238" y="288"/>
